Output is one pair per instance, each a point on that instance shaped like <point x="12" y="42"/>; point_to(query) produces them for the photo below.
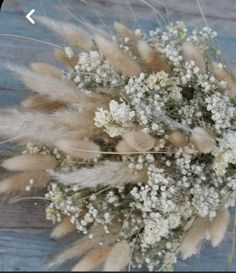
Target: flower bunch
<point x="134" y="143"/>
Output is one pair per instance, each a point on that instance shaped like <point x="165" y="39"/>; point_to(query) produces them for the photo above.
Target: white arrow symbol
<point x="28" y="16"/>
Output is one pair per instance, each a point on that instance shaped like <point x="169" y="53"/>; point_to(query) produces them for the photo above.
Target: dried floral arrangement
<point x="134" y="144"/>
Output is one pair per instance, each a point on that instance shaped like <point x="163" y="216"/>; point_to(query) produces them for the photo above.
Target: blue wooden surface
<point x="24" y="233"/>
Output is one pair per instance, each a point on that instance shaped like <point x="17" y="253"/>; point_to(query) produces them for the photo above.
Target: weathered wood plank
<point x="24" y="232"/>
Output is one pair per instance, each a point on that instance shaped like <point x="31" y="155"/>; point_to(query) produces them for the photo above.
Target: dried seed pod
<point x="218" y="226"/>
<point x="192" y="52"/>
<point x="203" y="141"/>
<point x="29" y="163"/>
<point x="84" y="149"/>
<point x="178" y="139"/>
<point x="139" y="141"/>
<point x="122" y="147"/>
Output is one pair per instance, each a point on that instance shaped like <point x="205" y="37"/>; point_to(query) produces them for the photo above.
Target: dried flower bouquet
<point x="134" y="144"/>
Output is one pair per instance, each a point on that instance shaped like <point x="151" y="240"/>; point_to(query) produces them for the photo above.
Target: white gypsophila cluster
<point x="222" y="111"/>
<point x="94" y="71"/>
<point x="169" y="42"/>
<point x="116" y="120"/>
<point x="225" y="154"/>
<point x="149" y="96"/>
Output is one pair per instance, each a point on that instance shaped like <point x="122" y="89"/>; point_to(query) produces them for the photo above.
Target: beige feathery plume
<point x="125" y="32"/>
<point x="18" y="183"/>
<point x="71" y="33"/>
<point x="30" y="162"/>
<point x="46" y="69"/>
<point x="62" y="229"/>
<point x="222" y="74"/>
<point x="45" y="128"/>
<point x="46" y="85"/>
<point x="193" y="53"/>
<point x="42" y="103"/>
<point x="79" y="248"/>
<point x="178" y="139"/>
<point x="194" y="236"/>
<point x="139" y="141"/>
<point x="93" y="259"/>
<point x="61" y="56"/>
<point x="58" y="90"/>
<point x="109" y="173"/>
<point x="154" y="61"/>
<point x="118" y="258"/>
<point x="203" y="141"/>
<point x="218" y="226"/>
<point x="122" y="147"/>
<point x="117" y="58"/>
<point x="84" y="149"/>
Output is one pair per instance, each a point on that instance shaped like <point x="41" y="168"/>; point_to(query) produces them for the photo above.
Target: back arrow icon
<point x="28" y="16"/>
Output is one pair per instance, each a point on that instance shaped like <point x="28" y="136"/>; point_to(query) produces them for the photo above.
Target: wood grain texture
<point x="24" y="232"/>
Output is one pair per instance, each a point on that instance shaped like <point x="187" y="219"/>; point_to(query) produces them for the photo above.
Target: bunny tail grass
<point x="79" y="248"/>
<point x="154" y="61"/>
<point x="194" y="236"/>
<point x="93" y="259"/>
<point x="121" y="62"/>
<point x="74" y="35"/>
<point x="22" y="182"/>
<point x="46" y="69"/>
<point x="118" y="258"/>
<point x="218" y="226"/>
<point x="29" y="162"/>
<point x="42" y="103"/>
<point x="62" y="229"/>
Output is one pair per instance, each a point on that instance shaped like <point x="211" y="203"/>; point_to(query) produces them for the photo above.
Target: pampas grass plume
<point x="92" y="259"/>
<point x="203" y="141"/>
<point x="109" y="173"/>
<point x="118" y="258"/>
<point x="29" y="163"/>
<point x="139" y="141"/>
<point x="218" y="226"/>
<point x="84" y="149"/>
<point x="117" y="58"/>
